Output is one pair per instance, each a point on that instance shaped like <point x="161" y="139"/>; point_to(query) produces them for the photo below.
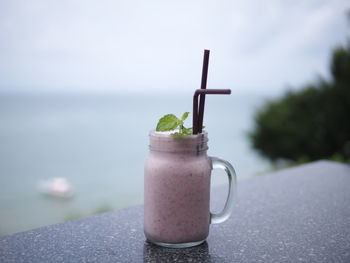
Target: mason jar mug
<point x="177" y="177"/>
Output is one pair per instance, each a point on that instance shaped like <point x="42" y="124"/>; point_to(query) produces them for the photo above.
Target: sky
<point x="157" y="46"/>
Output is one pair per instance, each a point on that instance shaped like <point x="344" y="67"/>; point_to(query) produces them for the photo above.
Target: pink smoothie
<point x="177" y="189"/>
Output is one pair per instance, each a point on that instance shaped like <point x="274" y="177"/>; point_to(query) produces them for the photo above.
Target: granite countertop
<point x="300" y="214"/>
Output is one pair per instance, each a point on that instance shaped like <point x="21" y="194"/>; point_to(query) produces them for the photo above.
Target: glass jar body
<point x="177" y="190"/>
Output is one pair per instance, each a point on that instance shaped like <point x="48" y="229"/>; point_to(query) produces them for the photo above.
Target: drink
<point x="177" y="190"/>
<point x="177" y="178"/>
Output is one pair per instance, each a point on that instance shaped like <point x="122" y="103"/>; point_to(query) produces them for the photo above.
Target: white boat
<point x="57" y="187"/>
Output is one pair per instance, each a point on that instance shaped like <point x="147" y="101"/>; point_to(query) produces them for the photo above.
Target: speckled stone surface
<point x="300" y="214"/>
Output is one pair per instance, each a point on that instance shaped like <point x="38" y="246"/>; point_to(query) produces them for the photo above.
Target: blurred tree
<point x="309" y="124"/>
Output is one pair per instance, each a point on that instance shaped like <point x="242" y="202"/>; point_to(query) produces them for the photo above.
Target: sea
<point x="99" y="143"/>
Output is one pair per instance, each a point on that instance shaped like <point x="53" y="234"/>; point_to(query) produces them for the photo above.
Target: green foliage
<point x="102" y="209"/>
<point x="309" y="124"/>
<point x="76" y="215"/>
<point x="170" y="122"/>
<point x="184" y="116"/>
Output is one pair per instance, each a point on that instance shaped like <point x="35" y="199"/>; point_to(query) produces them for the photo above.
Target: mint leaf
<point x="184" y="131"/>
<point x="167" y="123"/>
<point x="187" y="131"/>
<point x="177" y="134"/>
<point x="184" y="116"/>
<point x="170" y="122"/>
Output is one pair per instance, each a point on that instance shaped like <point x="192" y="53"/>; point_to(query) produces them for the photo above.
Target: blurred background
<point x="83" y="82"/>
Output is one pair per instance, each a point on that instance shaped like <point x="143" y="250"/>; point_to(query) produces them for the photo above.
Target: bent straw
<point x="203" y="86"/>
<point x="195" y="120"/>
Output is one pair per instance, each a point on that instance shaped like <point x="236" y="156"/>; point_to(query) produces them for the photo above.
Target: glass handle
<point x="231" y="174"/>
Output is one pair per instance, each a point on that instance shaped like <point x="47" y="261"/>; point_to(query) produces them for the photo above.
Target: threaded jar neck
<point x="164" y="142"/>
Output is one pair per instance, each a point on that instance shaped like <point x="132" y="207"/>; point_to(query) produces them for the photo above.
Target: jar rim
<point x="165" y="142"/>
<point x="167" y="135"/>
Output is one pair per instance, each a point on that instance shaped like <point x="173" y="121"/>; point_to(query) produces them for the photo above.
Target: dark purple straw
<point x="195" y="120"/>
<point x="203" y="86"/>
